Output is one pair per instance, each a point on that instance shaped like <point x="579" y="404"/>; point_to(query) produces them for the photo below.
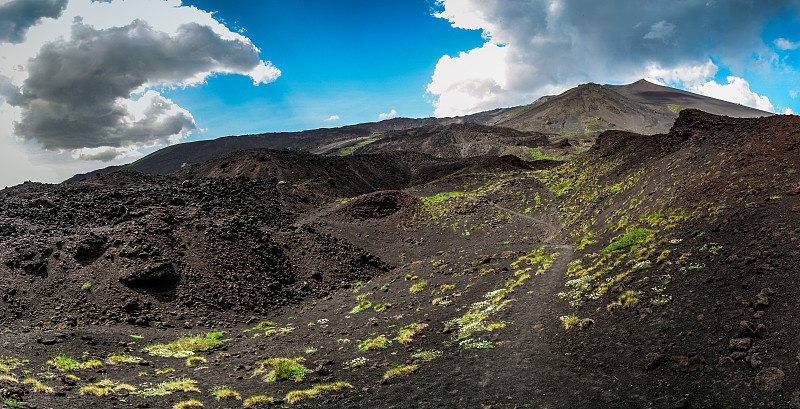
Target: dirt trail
<point x="552" y="228"/>
<point x="523" y="371"/>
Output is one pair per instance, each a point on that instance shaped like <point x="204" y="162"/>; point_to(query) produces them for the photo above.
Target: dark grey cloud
<point x="17" y="16"/>
<point x="553" y="44"/>
<point x="589" y="39"/>
<point x="78" y="91"/>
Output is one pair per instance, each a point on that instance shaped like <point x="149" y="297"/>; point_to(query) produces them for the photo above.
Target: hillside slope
<point x="652" y="271"/>
<point x="460" y="141"/>
<point x="322" y="141"/>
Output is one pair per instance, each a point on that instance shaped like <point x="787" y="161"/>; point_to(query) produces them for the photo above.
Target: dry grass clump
<point x="225" y="393"/>
<point x="282" y="368"/>
<point x="122" y="358"/>
<point x="407" y="333"/>
<point x="372" y="344"/>
<point x="185" y="347"/>
<point x="258" y="401"/>
<point x="38" y="386"/>
<point x="296" y="396"/>
<point x="193" y="403"/>
<point x="402" y="370"/>
<point x="627" y="299"/>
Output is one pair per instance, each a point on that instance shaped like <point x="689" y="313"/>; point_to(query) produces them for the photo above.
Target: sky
<point x="88" y="84"/>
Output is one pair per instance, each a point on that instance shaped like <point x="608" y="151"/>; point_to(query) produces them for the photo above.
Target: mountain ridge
<point x="579" y="113"/>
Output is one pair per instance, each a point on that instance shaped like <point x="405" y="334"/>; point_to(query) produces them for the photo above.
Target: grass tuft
<point x="373" y="344"/>
<point x="258" y="401"/>
<point x="225" y="393"/>
<point x="193" y="403"/>
<point x="38" y="386"/>
<point x="402" y="370"/>
<point x="185" y="347"/>
<point x="298" y="395"/>
<point x="282" y="368"/>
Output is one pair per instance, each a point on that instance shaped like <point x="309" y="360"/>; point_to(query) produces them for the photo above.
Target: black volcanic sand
<point x="227" y="244"/>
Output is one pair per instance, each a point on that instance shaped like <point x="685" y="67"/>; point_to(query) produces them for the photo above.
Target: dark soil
<point x="334" y="251"/>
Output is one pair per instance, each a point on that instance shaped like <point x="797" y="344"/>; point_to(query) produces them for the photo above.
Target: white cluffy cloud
<point x="736" y="90"/>
<point x="540" y="47"/>
<point x="83" y="80"/>
<point x="332" y="118"/>
<point x="389" y="114"/>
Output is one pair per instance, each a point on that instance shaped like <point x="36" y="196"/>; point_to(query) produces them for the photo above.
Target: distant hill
<point x="640" y="107"/>
<point x="320" y="141"/>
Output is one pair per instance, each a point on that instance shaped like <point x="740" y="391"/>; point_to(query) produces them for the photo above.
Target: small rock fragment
<point x="770" y="379"/>
<point x="740" y="344"/>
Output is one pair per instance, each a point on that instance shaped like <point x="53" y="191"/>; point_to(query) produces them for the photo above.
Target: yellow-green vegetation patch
<point x="537" y="258"/>
<point x="8" y="364"/>
<point x="96" y="390"/>
<point x="476" y="318"/>
<point x="296" y="396"/>
<point x="9" y="378"/>
<point x="225" y="393"/>
<point x="346" y="151"/>
<point x="584" y="241"/>
<point x="278" y="331"/>
<point x="185" y="347"/>
<point x="124" y="387"/>
<point x="400" y="370"/>
<point x="195" y="361"/>
<point x="37" y="385"/>
<point x="442" y="196"/>
<point x="165" y="371"/>
<point x="570" y="321"/>
<point x="91" y="364"/>
<point x="66" y="364"/>
<point x="258" y="401"/>
<point x="407" y="333"/>
<point x="363" y="303"/>
<point x="427" y="355"/>
<point x="167" y="387"/>
<point x="628" y="299"/>
<point x="281" y="368"/>
<point x="122" y="358"/>
<point x="630" y="238"/>
<point x="372" y="344"/>
<point x="192" y="403"/>
<point x="102" y="388"/>
<point x="418" y="286"/>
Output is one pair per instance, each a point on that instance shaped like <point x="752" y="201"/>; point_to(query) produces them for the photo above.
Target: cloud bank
<point x="540" y="47"/>
<point x="90" y="81"/>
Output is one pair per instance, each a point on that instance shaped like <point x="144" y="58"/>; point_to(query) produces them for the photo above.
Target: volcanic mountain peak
<point x="641" y="107"/>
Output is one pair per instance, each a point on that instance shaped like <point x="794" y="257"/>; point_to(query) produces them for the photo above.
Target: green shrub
<point x="630" y="238"/>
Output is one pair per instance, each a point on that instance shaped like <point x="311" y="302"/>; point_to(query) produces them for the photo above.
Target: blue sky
<point x="87" y="84"/>
<point x="355" y="62"/>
